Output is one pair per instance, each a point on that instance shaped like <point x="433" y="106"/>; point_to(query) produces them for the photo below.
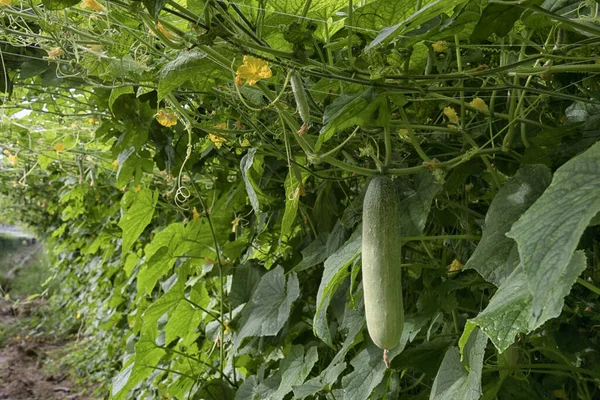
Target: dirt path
<point x="22" y="359"/>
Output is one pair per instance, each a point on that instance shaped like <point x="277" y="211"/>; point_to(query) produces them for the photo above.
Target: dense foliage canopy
<point x="197" y="169"/>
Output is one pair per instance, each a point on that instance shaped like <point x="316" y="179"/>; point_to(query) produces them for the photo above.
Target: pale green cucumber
<point x="381" y="258"/>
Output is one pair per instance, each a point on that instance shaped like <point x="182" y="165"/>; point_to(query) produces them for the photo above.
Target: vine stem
<point x="588" y="285"/>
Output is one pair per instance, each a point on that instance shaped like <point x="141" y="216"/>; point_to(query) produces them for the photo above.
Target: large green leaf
<point x="548" y="233"/>
<point x="137" y="217"/>
<point x="336" y="270"/>
<point x="495" y="255"/>
<point x="510" y="311"/>
<point x="413" y="21"/>
<point x="294" y="369"/>
<point x="350" y="110"/>
<point x="189" y="65"/>
<point x="269" y="307"/>
<point x="369" y="367"/>
<point x="457" y="381"/>
<point x="496" y="18"/>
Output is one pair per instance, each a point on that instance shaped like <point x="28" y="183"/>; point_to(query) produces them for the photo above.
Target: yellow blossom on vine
<point x="5" y="2"/>
<point x="78" y="315"/>
<point x="227" y="330"/>
<point x="55" y="52"/>
<point x="479" y="103"/>
<point x="217" y="140"/>
<point x="115" y="164"/>
<point x="253" y="70"/>
<point x="451" y="114"/>
<point x="440" y="46"/>
<point x="137" y="188"/>
<point x="60" y="146"/>
<point x="245" y="143"/>
<point x="6" y="151"/>
<point x="13" y="160"/>
<point x="166" y="118"/>
<point x="195" y="214"/>
<point x="93" y="5"/>
<point x="455" y="266"/>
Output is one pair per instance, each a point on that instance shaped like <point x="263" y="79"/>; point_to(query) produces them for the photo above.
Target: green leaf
<point x="381" y="13"/>
<point x="116" y="92"/>
<point x="294" y="369"/>
<point x="426" y="357"/>
<point x="294" y="186"/>
<point x="510" y="311"/>
<point x="245" y="279"/>
<point x="424" y="14"/>
<point x="349" y="110"/>
<point x="147" y="356"/>
<point x="137" y="217"/>
<point x="416" y="203"/>
<point x="548" y="233"/>
<point x="186" y="67"/>
<point x="270" y="306"/>
<point x="183" y="323"/>
<point x="336" y="270"/>
<point x="496" y="18"/>
<point x="492" y="257"/>
<point x="154" y="6"/>
<point x="457" y="381"/>
<point x="251" y="186"/>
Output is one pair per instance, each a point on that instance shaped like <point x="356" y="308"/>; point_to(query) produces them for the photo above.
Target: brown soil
<point x="22" y="360"/>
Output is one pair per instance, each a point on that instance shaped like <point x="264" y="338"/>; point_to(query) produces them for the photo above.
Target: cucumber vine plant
<point x="197" y="169"/>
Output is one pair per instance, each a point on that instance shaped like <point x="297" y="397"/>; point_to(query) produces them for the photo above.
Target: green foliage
<point x="208" y="237"/>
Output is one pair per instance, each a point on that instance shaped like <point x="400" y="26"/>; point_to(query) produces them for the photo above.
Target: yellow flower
<point x="253" y="70"/>
<point x="227" y="330"/>
<point x="479" y="103"/>
<point x="93" y="5"/>
<point x="166" y="118"/>
<point x="5" y="2"/>
<point x="195" y="214"/>
<point x="60" y="146"/>
<point x="13" y="159"/>
<point x="137" y="188"/>
<point x="245" y="143"/>
<point x="78" y="315"/>
<point x="440" y="46"/>
<point x="451" y="114"/>
<point x="115" y="164"/>
<point x="55" y="52"/>
<point x="455" y="266"/>
<point x="6" y="151"/>
<point x="217" y="140"/>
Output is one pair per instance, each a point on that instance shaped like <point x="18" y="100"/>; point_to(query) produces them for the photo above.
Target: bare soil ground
<point x="23" y="365"/>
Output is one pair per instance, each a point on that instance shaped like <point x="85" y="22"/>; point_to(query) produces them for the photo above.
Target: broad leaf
<point x="457" y="381"/>
<point x="424" y="14"/>
<point x="336" y="270"/>
<point x="492" y="257"/>
<point x="548" y="233"/>
<point x="270" y="305"/>
<point x="137" y="217"/>
<point x="350" y="110"/>
<point x="496" y="18"/>
<point x="294" y="369"/>
<point x="510" y="311"/>
<point x="185" y="67"/>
